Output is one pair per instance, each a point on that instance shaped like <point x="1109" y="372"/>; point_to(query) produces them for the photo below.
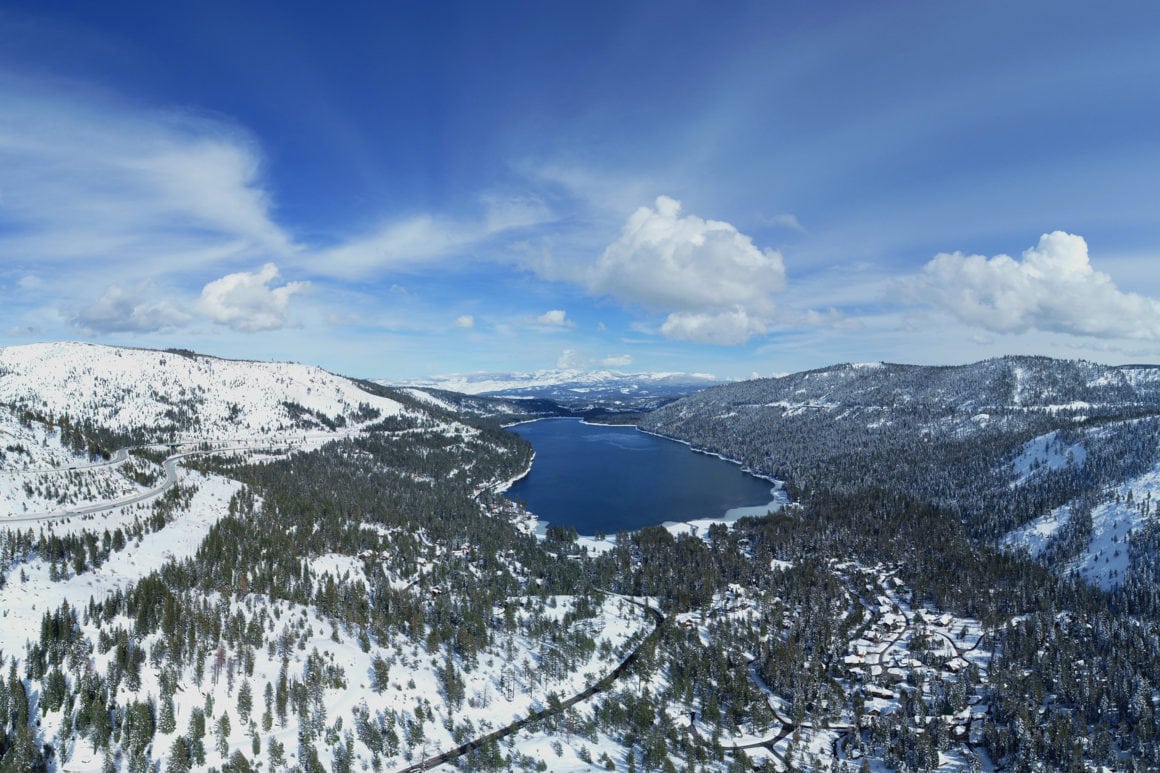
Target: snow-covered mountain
<point x="1015" y="446"/>
<point x="180" y="393"/>
<point x="570" y="385"/>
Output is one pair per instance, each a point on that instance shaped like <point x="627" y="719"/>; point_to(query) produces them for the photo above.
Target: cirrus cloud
<point x="710" y="279"/>
<point x="88" y="177"/>
<point x="1052" y="288"/>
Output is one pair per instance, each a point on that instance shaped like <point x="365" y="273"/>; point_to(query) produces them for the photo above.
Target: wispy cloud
<point x="786" y="220"/>
<point x="423" y="239"/>
<point x="571" y="359"/>
<point x="85" y="176"/>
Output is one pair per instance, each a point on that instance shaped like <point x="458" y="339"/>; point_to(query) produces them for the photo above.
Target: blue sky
<point x="405" y="189"/>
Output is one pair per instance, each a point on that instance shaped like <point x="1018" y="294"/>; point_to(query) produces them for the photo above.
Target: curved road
<point x="169" y="466"/>
<point x="119" y="457"/>
<point x="603" y="684"/>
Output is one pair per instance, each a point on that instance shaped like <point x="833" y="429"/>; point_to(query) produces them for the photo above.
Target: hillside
<point x="180" y="395"/>
<point x="233" y="566"/>
<point x="347" y="520"/>
<point x="998" y="443"/>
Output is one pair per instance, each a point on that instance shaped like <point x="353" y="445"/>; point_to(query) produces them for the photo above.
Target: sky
<point x="404" y="189"/>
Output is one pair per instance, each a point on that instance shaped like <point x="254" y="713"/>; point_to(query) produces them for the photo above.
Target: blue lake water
<point x="611" y="478"/>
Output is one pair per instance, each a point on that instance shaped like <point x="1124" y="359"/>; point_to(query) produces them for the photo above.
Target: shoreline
<point x="503" y="486"/>
<point x="745" y="469"/>
<point x="693" y="525"/>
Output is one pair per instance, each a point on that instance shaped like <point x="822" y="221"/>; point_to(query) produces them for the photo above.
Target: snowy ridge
<point x="192" y="396"/>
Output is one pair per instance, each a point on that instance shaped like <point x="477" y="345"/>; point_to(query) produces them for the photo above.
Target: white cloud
<point x="570" y="359"/>
<point x="714" y="284"/>
<point x="247" y="302"/>
<point x="725" y="328"/>
<point x="409" y="241"/>
<point x="554" y="318"/>
<point x="465" y="321"/>
<point x="503" y="213"/>
<point x="423" y="238"/>
<point x="786" y="220"/>
<point x="87" y="177"/>
<point x="1053" y="288"/>
<point x="130" y="311"/>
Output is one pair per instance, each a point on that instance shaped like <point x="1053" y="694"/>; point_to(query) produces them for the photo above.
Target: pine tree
<point x="223" y="733"/>
<point x="167" y="721"/>
<point x="180" y="760"/>
<point x="245" y="701"/>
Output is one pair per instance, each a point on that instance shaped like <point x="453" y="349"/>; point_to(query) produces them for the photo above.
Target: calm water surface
<point x="613" y="478"/>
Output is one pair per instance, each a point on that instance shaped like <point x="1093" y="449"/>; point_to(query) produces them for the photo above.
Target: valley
<point x="239" y="566"/>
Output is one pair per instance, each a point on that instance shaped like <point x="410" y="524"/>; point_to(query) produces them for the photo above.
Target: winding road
<point x="169" y="466"/>
<point x="599" y="686"/>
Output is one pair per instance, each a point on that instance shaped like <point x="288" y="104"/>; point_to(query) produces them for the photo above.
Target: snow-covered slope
<point x="192" y="396"/>
<point x="27" y="446"/>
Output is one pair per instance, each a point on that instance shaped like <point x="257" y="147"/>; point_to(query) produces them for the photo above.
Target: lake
<point x="601" y="478"/>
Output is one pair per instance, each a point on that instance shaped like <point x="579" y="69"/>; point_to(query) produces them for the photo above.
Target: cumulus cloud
<point x="465" y="321"/>
<point x="714" y="284"/>
<point x="724" y="328"/>
<point x="1052" y="288"/>
<point x="554" y="318"/>
<point x="247" y="302"/>
<point x="130" y="311"/>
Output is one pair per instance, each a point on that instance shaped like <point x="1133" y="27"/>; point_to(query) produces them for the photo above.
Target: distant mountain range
<point x="570" y="386"/>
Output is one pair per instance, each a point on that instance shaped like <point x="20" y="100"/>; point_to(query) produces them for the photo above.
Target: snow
<point x="1105" y="560"/>
<point x="1046" y="452"/>
<point x="25" y="602"/>
<point x="122" y="388"/>
<point x="578" y="381"/>
<point x="1033" y="536"/>
<point x="429" y="399"/>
